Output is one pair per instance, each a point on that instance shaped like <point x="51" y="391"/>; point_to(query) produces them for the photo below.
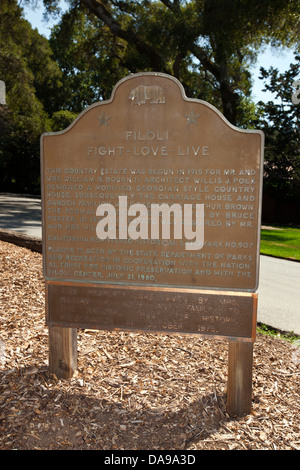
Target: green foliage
<point x="31" y="77"/>
<point x="291" y="337"/>
<point x="87" y="56"/>
<point x="19" y="152"/>
<point x="61" y="120"/>
<point x="280" y="122"/>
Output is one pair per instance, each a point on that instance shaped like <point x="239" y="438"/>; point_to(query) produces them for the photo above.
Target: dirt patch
<point x="132" y="391"/>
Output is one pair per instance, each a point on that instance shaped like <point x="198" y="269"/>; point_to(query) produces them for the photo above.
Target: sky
<point x="279" y="59"/>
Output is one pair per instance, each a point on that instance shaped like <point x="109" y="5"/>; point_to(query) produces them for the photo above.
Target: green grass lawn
<point x="282" y="242"/>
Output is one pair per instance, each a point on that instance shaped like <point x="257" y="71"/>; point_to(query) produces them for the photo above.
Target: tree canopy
<point x="33" y="82"/>
<point x="279" y="120"/>
<point x="207" y="44"/>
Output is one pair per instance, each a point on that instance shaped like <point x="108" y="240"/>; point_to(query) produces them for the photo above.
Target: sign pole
<point x="240" y="368"/>
<point x="239" y="391"/>
<point x="62" y="351"/>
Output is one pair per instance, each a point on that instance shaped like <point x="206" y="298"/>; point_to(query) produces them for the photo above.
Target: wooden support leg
<point x="62" y="351"/>
<point x="239" y="392"/>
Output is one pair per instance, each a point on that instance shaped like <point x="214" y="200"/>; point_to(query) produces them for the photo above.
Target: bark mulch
<point x="132" y="391"/>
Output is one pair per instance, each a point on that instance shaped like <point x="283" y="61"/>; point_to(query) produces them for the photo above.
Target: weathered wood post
<point x="62" y="351"/>
<point x="239" y="391"/>
<point x="240" y="371"/>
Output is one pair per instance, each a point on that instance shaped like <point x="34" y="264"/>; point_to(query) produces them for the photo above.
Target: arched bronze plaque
<point x="175" y="189"/>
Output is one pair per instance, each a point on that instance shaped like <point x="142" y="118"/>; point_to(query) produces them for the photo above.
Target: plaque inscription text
<point x="149" y="145"/>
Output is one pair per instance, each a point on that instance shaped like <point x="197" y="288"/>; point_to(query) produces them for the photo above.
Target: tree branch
<point x="128" y="34"/>
<point x="174" y="6"/>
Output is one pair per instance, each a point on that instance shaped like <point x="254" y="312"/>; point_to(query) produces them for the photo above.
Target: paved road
<point x="21" y="214"/>
<point x="279" y="286"/>
<point x="279" y="294"/>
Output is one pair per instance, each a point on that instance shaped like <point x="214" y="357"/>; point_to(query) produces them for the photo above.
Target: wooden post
<point x="62" y="351"/>
<point x="239" y="392"/>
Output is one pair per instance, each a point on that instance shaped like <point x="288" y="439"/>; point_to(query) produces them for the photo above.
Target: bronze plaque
<point x="166" y="310"/>
<point x="152" y="189"/>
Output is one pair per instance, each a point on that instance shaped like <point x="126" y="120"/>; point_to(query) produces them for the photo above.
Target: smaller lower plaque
<point x="167" y="310"/>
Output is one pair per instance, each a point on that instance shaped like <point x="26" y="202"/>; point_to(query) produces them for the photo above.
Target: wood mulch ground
<point x="132" y="391"/>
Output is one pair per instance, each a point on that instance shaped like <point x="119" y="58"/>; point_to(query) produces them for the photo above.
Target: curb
<point x="20" y="239"/>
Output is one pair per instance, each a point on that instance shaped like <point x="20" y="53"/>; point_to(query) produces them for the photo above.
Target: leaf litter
<point x="132" y="391"/>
